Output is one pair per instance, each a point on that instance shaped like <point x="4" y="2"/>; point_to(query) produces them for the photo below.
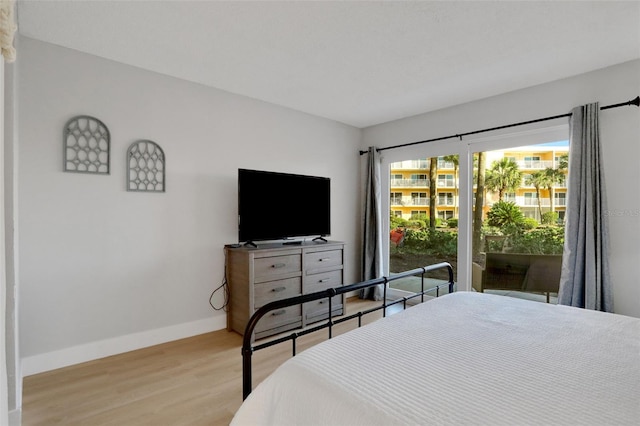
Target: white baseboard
<point x="15" y="417"/>
<point x="82" y="353"/>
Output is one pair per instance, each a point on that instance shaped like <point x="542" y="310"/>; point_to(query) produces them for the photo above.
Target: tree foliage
<point x="503" y="176"/>
<point x="504" y="214"/>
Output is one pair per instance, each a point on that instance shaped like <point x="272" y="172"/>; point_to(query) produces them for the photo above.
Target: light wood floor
<point x="194" y="381"/>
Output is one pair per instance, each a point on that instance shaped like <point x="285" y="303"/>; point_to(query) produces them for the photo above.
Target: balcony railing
<point x="445" y="164"/>
<point x="444" y="183"/>
<point x="409" y="183"/>
<point x="409" y="201"/>
<point x="544" y="202"/>
<point x="422" y="202"/>
<point x="410" y="165"/>
<point x="534" y="164"/>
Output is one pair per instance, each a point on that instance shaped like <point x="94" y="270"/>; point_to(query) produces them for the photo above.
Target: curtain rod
<point x="635" y="102"/>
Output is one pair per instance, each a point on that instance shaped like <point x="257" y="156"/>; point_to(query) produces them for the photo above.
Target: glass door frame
<point x="465" y="149"/>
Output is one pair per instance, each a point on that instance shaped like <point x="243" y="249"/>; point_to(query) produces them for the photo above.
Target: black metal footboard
<point x="248" y="348"/>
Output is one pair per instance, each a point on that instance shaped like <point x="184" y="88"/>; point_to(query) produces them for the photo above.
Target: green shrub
<point x="452" y="223"/>
<point x="431" y="242"/>
<point x="529" y="223"/>
<point x="504" y="214"/>
<point x="397" y="222"/>
<point x="542" y="240"/>
<point x="550" y="218"/>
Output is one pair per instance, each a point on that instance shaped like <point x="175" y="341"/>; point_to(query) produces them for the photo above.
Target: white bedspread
<point x="464" y="358"/>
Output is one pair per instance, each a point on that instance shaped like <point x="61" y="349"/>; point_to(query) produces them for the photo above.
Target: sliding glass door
<point x="472" y="203"/>
<point x="518" y="220"/>
<point x="423" y="217"/>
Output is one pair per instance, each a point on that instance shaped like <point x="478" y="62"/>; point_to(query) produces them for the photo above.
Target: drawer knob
<point x="280" y="312"/>
<point x="278" y="265"/>
<point x="323" y="259"/>
<point x="324" y="280"/>
<point x="277" y="289"/>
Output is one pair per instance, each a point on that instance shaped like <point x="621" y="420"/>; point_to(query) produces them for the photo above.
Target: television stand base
<point x="319" y="239"/>
<point x="250" y="243"/>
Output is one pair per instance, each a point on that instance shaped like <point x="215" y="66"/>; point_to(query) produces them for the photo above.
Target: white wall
<point x="620" y="135"/>
<point x="103" y="270"/>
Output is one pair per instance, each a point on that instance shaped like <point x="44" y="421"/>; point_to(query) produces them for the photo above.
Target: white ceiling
<point x="358" y="62"/>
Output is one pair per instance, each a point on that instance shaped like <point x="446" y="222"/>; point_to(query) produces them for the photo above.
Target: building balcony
<point x="410" y="165"/>
<point x="445" y="164"/>
<point x="534" y="164"/>
<point x="409" y="183"/>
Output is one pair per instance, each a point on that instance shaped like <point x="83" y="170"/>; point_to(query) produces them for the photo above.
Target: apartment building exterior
<point x="409" y="183"/>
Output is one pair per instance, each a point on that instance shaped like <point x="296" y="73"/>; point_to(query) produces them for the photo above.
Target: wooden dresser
<point x="257" y="276"/>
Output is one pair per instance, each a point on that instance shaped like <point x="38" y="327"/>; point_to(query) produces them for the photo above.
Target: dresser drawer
<point x="323" y="280"/>
<point x="275" y="290"/>
<point x="323" y="259"/>
<point x="280" y="318"/>
<point x="319" y="309"/>
<point x="266" y="267"/>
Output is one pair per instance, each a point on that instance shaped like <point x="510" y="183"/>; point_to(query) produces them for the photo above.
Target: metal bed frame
<point x="248" y="348"/>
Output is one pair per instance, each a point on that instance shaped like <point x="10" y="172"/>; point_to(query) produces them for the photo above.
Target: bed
<point x="463" y="358"/>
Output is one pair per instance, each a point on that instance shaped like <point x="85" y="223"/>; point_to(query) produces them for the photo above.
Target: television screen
<point x="273" y="206"/>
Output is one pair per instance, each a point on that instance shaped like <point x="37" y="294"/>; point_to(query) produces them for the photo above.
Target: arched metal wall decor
<point x="145" y="167"/>
<point x="86" y="145"/>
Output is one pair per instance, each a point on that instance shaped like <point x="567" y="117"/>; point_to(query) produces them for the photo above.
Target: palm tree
<point x="477" y="212"/>
<point x="563" y="162"/>
<point x="433" y="170"/>
<point x="504" y="176"/>
<point x="455" y="160"/>
<point x="552" y="177"/>
<point x="538" y="180"/>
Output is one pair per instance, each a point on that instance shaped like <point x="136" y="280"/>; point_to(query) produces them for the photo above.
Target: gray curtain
<point x="585" y="281"/>
<point x="372" y="240"/>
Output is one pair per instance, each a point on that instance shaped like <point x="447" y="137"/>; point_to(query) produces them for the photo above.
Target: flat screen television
<point x="276" y="206"/>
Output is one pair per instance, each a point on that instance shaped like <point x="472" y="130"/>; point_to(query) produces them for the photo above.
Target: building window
<point x="530" y="199"/>
<point x="445" y="181"/>
<point x="397" y="213"/>
<point x="418" y="213"/>
<point x="510" y="197"/>
<point x="396" y="198"/>
<point x="560" y="198"/>
<point x="445" y="214"/>
<point x="419" y="199"/>
<point x="445" y="199"/>
<point x="532" y="162"/>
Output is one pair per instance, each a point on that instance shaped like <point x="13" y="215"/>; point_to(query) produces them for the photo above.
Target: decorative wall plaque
<point x="86" y="145"/>
<point x="145" y="167"/>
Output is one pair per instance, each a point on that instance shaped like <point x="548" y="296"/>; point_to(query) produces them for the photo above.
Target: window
<point x="443" y="164"/>
<point x="560" y="199"/>
<point x="397" y="213"/>
<point x="454" y="200"/>
<point x="532" y="162"/>
<point x="445" y="199"/>
<point x="419" y="199"/>
<point x="445" y="181"/>
<point x="445" y="214"/>
<point x="530" y="199"/>
<point x="396" y="198"/>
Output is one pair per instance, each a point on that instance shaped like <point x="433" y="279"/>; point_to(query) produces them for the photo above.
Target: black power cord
<point x="224" y="286"/>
